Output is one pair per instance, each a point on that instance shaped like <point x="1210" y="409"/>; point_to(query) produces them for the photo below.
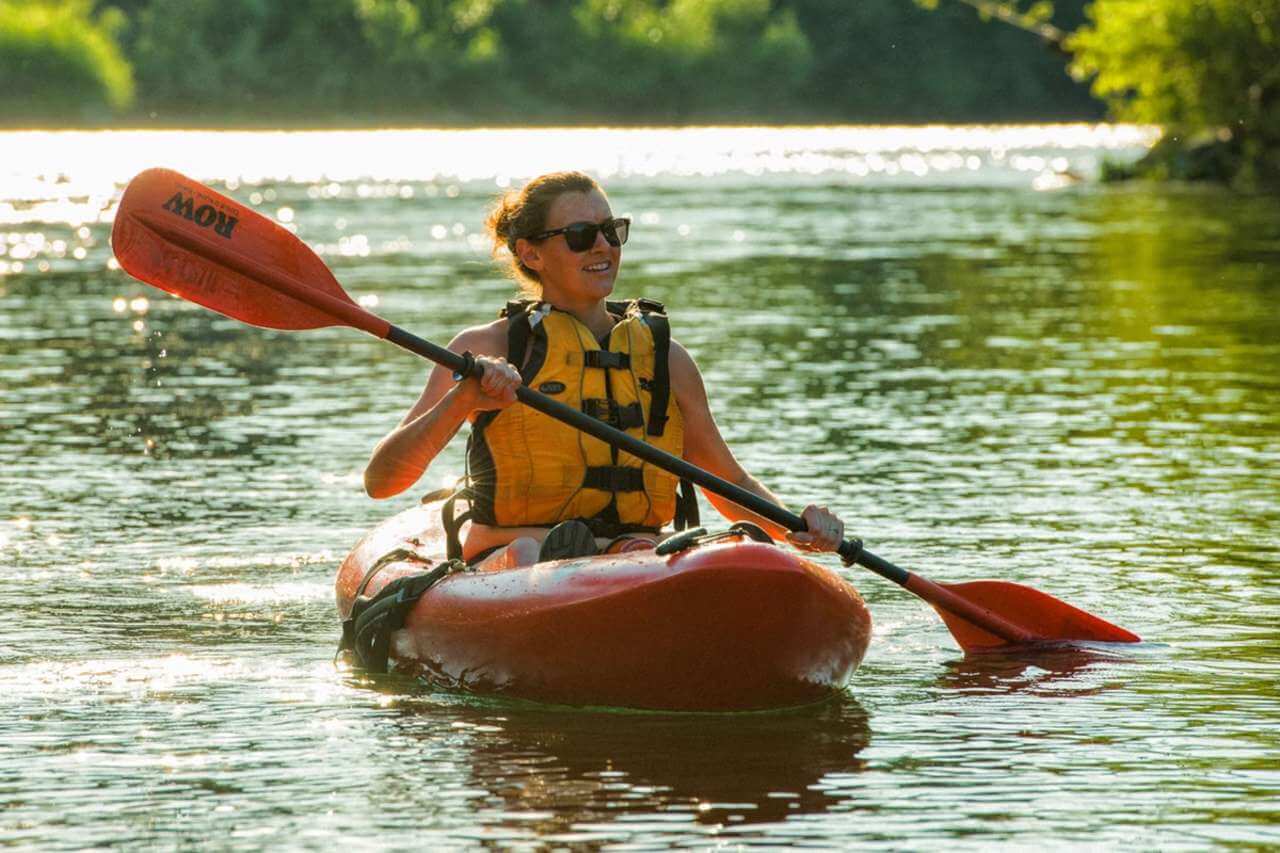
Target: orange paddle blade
<point x="178" y="235"/>
<point x="1047" y="618"/>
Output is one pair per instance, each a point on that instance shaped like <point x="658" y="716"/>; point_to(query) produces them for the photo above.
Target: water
<point x="989" y="368"/>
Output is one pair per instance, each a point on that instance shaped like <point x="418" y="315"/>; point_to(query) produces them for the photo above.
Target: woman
<point x="537" y="488"/>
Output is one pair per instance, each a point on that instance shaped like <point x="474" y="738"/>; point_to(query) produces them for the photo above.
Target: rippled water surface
<point x="989" y="364"/>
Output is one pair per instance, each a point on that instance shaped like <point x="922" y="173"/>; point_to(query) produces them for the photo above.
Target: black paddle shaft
<point x="851" y="550"/>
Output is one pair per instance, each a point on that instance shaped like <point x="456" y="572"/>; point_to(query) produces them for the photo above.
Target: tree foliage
<point x="1207" y="71"/>
<point x="57" y="60"/>
<point x="894" y="61"/>
<point x="1190" y="65"/>
<point x="575" y="61"/>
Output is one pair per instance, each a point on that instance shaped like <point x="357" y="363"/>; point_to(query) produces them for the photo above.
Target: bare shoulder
<point x="487" y="339"/>
<point x="684" y="370"/>
<point x="686" y="379"/>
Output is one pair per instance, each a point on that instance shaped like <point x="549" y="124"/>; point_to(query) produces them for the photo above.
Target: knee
<point x="518" y="552"/>
<point x="524" y="551"/>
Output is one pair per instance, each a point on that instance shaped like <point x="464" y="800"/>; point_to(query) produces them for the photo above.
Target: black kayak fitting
<point x="366" y="632"/>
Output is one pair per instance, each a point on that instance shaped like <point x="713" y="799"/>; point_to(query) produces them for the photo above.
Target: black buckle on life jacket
<point x="699" y="536"/>
<point x="614" y="478"/>
<point x="617" y="416"/>
<point x="647" y="306"/>
<point x="607" y="358"/>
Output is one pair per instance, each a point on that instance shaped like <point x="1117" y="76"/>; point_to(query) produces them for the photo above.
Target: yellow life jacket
<point x="525" y="468"/>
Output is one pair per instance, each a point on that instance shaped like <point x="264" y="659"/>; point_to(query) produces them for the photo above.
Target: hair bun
<point x="519" y="213"/>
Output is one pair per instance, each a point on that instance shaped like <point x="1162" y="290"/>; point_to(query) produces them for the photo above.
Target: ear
<point x="529" y="255"/>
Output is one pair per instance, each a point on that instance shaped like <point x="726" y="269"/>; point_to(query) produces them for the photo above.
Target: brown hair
<point x="520" y="213"/>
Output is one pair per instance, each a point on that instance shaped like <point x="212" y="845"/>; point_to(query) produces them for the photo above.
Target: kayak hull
<point x="727" y="626"/>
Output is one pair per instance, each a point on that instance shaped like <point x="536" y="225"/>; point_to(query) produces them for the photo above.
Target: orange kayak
<point x="730" y="625"/>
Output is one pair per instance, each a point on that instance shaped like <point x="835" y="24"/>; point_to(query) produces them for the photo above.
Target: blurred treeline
<point x="1206" y="71"/>
<point x="434" y="62"/>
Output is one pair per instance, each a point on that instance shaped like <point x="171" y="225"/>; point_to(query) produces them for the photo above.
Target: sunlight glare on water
<point x="989" y="364"/>
<point x="45" y="167"/>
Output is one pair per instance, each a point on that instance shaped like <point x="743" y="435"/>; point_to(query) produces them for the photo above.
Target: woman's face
<point x="564" y="273"/>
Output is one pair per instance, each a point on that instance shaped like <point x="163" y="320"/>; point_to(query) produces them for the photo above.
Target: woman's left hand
<point x="825" y="531"/>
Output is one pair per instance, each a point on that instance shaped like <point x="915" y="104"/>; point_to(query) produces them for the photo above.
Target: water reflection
<point x="577" y="767"/>
<point x="1066" y="670"/>
<point x="155" y="380"/>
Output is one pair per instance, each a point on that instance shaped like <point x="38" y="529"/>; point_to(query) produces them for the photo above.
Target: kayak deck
<point x="726" y="626"/>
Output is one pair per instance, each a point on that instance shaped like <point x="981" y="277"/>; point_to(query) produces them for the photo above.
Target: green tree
<point x="1207" y="68"/>
<point x="246" y="57"/>
<point x="58" y="61"/>
<point x="704" y="60"/>
<point x="572" y="61"/>
<point x="889" y="60"/>
<point x="418" y="59"/>
<point x="1206" y="71"/>
<point x="441" y="52"/>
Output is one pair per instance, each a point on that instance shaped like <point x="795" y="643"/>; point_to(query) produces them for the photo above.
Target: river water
<point x="988" y="363"/>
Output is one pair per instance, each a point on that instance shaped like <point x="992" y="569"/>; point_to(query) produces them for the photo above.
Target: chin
<point x="600" y="288"/>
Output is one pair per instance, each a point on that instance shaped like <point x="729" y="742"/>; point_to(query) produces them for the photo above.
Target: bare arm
<point x="401" y="458"/>
<point x="705" y="447"/>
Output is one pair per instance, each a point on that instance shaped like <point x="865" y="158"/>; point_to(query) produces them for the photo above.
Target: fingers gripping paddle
<point x="184" y="238"/>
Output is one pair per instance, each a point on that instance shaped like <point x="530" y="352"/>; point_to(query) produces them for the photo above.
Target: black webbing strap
<point x="614" y="478"/>
<point x="687" y="512"/>
<point x="399" y="555"/>
<point x="619" y="417"/>
<point x="366" y="632"/>
<point x="607" y="358"/>
<point x="518" y="331"/>
<point x="699" y="536"/>
<point x="453" y="524"/>
<point x="660" y="388"/>
<point x="437" y="495"/>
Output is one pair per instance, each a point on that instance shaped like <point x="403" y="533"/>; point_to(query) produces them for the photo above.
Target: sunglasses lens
<point x="581" y="236"/>
<point x="616" y="231"/>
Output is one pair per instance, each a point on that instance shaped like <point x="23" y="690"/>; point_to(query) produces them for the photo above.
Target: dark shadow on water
<point x="1067" y="669"/>
<point x="582" y="766"/>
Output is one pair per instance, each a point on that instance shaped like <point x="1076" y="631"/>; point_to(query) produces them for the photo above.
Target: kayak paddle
<point x="184" y="238"/>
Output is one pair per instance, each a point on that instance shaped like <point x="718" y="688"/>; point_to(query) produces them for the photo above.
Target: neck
<point x="592" y="313"/>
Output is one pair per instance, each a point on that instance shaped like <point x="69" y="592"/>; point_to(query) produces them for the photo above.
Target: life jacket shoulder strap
<point x="526" y="346"/>
<point x="516" y="307"/>
<point x="519" y="331"/>
<point x="640" y="305"/>
<point x="660" y="388"/>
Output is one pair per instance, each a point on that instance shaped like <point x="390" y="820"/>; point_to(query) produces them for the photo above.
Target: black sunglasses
<point x="581" y="236"/>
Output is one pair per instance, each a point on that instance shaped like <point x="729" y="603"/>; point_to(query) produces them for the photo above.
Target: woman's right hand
<point x="495" y="389"/>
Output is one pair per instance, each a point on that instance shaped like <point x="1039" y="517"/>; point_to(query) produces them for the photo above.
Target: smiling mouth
<point x="603" y="266"/>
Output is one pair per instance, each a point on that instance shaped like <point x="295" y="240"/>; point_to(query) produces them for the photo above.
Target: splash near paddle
<point x="178" y="235"/>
